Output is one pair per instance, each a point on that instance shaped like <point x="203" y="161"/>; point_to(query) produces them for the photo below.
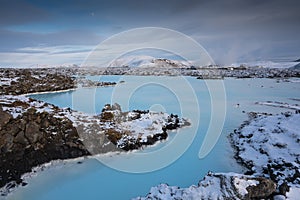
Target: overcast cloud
<point x="56" y="32"/>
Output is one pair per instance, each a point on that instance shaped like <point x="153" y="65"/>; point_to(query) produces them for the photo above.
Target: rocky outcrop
<point x="34" y="132"/>
<point x="217" y="186"/>
<point x="127" y="132"/>
<point x="264" y="189"/>
<point x="83" y="82"/>
<point x="34" y="138"/>
<point x="23" y="81"/>
<point x="268" y="145"/>
<point x="4" y="118"/>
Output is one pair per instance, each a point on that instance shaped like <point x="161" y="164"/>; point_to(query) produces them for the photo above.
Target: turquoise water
<point x="94" y="180"/>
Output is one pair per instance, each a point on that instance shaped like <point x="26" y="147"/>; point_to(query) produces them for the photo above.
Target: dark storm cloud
<point x="16" y="40"/>
<point x="230" y="30"/>
<point x="15" y="12"/>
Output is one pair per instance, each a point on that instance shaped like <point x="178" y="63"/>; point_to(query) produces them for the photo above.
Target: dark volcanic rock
<point x="264" y="189"/>
<point x="4" y="118"/>
<point x="33" y="139"/>
<point x="35" y="80"/>
<point x="32" y="132"/>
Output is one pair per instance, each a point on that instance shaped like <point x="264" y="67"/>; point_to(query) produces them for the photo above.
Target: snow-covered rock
<point x="269" y="145"/>
<point x="136" y="128"/>
<point x="34" y="132"/>
<point x="216" y="186"/>
<point x="266" y="64"/>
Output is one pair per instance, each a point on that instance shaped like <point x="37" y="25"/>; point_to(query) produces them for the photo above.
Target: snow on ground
<point x="148" y="124"/>
<point x="266" y="64"/>
<point x="213" y="186"/>
<point x="279" y="104"/>
<point x="140" y="127"/>
<point x="242" y="184"/>
<point x="133" y="126"/>
<point x="294" y="193"/>
<point x="7" y="81"/>
<point x="269" y="145"/>
<point x="17" y="105"/>
<point x="270" y="138"/>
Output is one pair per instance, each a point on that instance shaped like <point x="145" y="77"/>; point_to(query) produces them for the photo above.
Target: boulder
<point x="4" y="118"/>
<point x="262" y="190"/>
<point x="20" y="139"/>
<point x="32" y="132"/>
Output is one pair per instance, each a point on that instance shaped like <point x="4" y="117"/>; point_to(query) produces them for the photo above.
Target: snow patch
<point x="269" y="146"/>
<point x="242" y="184"/>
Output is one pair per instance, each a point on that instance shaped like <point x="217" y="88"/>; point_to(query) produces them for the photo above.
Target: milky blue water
<point x="94" y="180"/>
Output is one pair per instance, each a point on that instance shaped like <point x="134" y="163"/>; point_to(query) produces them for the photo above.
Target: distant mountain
<point x="132" y="61"/>
<point x="297" y="60"/>
<point x="170" y="63"/>
<point x="147" y="61"/>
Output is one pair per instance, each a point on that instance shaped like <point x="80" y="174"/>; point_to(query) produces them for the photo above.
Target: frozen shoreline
<point x="276" y="136"/>
<point x="268" y="145"/>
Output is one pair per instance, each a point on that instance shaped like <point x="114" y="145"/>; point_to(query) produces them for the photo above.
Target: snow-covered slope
<point x="147" y="61"/>
<point x="132" y="61"/>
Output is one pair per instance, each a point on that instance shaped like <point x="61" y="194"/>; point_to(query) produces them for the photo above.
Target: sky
<point x="36" y="33"/>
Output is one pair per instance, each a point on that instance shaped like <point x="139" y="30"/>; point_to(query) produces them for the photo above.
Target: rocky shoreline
<point x="211" y="72"/>
<point x="22" y="81"/>
<point x="216" y="186"/>
<point x="30" y="136"/>
<point x="25" y="81"/>
<point x="274" y="139"/>
<point x="55" y="79"/>
<point x="128" y="133"/>
<point x="34" y="132"/>
<point x="268" y="147"/>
